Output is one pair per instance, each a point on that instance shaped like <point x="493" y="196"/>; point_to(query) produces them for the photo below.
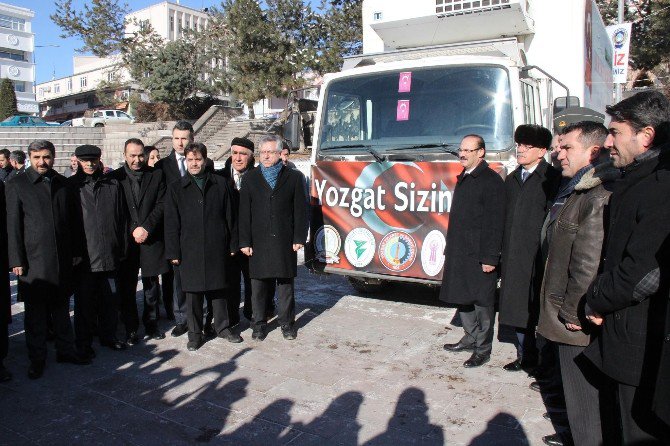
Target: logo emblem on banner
<point x="432" y="252"/>
<point x="327" y="244"/>
<point x="397" y="251"/>
<point x="619" y="38"/>
<point x="359" y="247"/>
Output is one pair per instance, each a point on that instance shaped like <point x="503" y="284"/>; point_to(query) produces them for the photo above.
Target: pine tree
<point x="7" y="99"/>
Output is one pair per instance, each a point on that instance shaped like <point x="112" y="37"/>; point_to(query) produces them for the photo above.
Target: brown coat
<point x="574" y="258"/>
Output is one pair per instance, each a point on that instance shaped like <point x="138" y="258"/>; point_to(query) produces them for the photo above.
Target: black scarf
<point x="135" y="178"/>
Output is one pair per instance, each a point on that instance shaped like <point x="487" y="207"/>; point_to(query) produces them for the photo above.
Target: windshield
<point x="420" y="107"/>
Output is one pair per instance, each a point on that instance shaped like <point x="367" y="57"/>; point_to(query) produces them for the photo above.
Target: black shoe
<point x="557" y="440"/>
<point x="514" y="366"/>
<point x="458" y="347"/>
<point x="72" y="358"/>
<point x="209" y="332"/>
<point x="194" y="345"/>
<point x="560" y="418"/>
<point x="248" y="316"/>
<point x="179" y="330"/>
<point x="132" y="338"/>
<point x="230" y="336"/>
<point x="114" y="344"/>
<point x="5" y="374"/>
<point x="258" y="334"/>
<point x="288" y="332"/>
<point x="36" y="369"/>
<point x="544" y="387"/>
<point x="154" y="334"/>
<point x="476" y="360"/>
<point x="557" y="401"/>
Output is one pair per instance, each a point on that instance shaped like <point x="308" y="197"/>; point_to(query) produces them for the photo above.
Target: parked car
<point x="26" y="121"/>
<point x="99" y="118"/>
<point x="67" y="123"/>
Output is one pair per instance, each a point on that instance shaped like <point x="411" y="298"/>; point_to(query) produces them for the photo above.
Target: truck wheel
<point x="99" y="124"/>
<point x="367" y="285"/>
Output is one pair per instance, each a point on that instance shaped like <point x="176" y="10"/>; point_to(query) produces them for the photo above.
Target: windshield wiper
<point x="445" y="147"/>
<point x="368" y="148"/>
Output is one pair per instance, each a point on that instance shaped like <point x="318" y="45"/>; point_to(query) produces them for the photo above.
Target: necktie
<point x="182" y="168"/>
<point x="524" y="175"/>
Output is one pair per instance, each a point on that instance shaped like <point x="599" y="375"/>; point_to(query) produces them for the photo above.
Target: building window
<point x="110" y="77"/>
<point x="12" y="23"/>
<point x="69" y="84"/>
<point x="81" y="101"/>
<point x="57" y="88"/>
<point x="41" y="92"/>
<point x="19" y="86"/>
<point x="6" y="53"/>
<point x="82" y="82"/>
<point x="171" y="23"/>
<point x="377" y="16"/>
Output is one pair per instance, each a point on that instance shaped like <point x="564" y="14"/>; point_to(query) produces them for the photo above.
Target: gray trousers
<point x="478" y="325"/>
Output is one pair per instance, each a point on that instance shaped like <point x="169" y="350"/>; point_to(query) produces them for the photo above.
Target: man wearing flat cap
<point x="240" y="162"/>
<point x="529" y="192"/>
<point x="41" y="252"/>
<point x="100" y="226"/>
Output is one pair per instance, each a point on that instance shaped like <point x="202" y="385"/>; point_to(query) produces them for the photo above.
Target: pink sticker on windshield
<point x="405" y="82"/>
<point x="402" y="112"/>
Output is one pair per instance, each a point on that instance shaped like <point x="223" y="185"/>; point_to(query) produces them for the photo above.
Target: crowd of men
<point x="582" y="251"/>
<point x="173" y="222"/>
<point x="577" y="246"/>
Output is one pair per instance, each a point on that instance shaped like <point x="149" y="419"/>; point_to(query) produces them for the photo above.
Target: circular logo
<point x="13" y="71"/>
<point x="432" y="252"/>
<point x="12" y="39"/>
<point x="327" y="244"/>
<point x="397" y="251"/>
<point x="619" y="38"/>
<point x="359" y="247"/>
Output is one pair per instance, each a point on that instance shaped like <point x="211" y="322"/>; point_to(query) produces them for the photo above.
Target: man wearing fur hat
<point x="529" y="192"/>
<point x="575" y="235"/>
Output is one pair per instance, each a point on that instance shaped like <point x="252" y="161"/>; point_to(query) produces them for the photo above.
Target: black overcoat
<point x="103" y="236"/>
<point x="629" y="343"/>
<point x="5" y="291"/>
<point x="662" y="392"/>
<point x="272" y="221"/>
<point x="474" y="237"/>
<point x="148" y="214"/>
<point x="39" y="229"/>
<point x="200" y="231"/>
<point x="170" y="169"/>
<point x="521" y="265"/>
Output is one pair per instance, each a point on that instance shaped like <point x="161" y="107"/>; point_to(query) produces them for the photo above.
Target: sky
<point x="57" y="61"/>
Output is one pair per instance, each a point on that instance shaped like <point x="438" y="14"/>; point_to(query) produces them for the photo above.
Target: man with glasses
<point x="474" y="243"/>
<point x="272" y="229"/>
<point x="529" y="192"/>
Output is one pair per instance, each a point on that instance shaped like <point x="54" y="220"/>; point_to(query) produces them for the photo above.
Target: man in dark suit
<point x="18" y="161"/>
<point x="41" y="253"/>
<point x="174" y="168"/>
<point x="201" y="237"/>
<point x="5" y="167"/>
<point x="100" y="226"/>
<point x="144" y="190"/>
<point x="5" y="291"/>
<point x="529" y="192"/>
<point x="474" y="243"/>
<point x="629" y="296"/>
<point x="272" y="228"/>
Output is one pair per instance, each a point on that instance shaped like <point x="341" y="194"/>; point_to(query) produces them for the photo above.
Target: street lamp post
<point x="51" y="45"/>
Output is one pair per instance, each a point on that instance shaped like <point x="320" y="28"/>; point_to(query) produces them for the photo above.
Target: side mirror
<point x="291" y="130"/>
<point x="563" y="102"/>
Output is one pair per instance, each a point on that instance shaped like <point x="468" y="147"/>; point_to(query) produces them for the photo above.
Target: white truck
<point x="100" y="118"/>
<point x="384" y="159"/>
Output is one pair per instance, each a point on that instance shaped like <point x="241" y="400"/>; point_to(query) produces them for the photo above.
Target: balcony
<point x="17" y="70"/>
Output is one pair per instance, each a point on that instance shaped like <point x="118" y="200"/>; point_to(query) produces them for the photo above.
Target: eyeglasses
<point x="526" y="147"/>
<point x="467" y="150"/>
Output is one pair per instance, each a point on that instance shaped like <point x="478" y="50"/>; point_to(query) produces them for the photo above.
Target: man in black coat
<point x="529" y="192"/>
<point x="144" y="191"/>
<point x="630" y="295"/>
<point x="100" y="226"/>
<point x="5" y="290"/>
<point x="5" y="166"/>
<point x="174" y="168"/>
<point x="18" y="161"/>
<point x="41" y="254"/>
<point x="474" y="243"/>
<point x="273" y="227"/>
<point x="201" y="236"/>
<point x="241" y="161"/>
